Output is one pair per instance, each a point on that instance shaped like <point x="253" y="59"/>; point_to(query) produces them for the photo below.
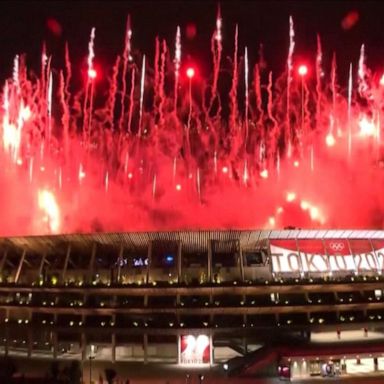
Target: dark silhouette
<point x="54" y="371"/>
<point x="74" y="373"/>
<point x="110" y="374"/>
<point x="7" y="370"/>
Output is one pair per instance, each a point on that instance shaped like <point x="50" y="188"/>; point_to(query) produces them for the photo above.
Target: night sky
<point x="23" y="27"/>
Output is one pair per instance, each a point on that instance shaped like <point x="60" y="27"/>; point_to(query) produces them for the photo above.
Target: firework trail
<point x="288" y="137"/>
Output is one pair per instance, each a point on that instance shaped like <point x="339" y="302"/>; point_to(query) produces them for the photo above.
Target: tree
<point x="110" y="374"/>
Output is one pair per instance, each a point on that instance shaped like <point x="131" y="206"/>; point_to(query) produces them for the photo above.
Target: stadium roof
<point x="193" y="241"/>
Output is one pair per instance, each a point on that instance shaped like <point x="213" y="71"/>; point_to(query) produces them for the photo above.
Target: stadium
<point x="307" y="302"/>
<point x="166" y="215"/>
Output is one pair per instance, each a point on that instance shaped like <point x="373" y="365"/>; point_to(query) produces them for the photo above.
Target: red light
<point x="92" y="73"/>
<point x="382" y="80"/>
<point x="350" y="20"/>
<point x="54" y="26"/>
<point x="303" y="70"/>
<point x="330" y="140"/>
<point x="190" y="72"/>
<point x="190" y="31"/>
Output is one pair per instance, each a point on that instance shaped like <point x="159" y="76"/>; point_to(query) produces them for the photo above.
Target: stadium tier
<point x="195" y="297"/>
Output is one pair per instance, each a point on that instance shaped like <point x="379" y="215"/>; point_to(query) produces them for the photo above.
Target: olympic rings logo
<point x="337" y="247"/>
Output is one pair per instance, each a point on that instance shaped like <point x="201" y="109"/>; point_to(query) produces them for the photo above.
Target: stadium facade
<point x="309" y="301"/>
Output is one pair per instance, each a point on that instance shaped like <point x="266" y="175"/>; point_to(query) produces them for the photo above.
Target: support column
<point x="55" y="344"/>
<point x="65" y="267"/>
<point x="120" y="257"/>
<point x="18" y="272"/>
<point x="114" y="341"/>
<point x="242" y="274"/>
<point x="83" y="347"/>
<point x="3" y="260"/>
<point x="30" y="343"/>
<point x="42" y="262"/>
<point x="179" y="262"/>
<point x="209" y="267"/>
<point x="6" y="343"/>
<point x="149" y="255"/>
<point x="336" y="296"/>
<point x="245" y="345"/>
<point x="92" y="263"/>
<point x="113" y="347"/>
<point x="145" y="344"/>
<point x="55" y="322"/>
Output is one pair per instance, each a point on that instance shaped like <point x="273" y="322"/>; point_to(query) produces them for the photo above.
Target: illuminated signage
<point x="140" y="261"/>
<point x="195" y="349"/>
<point x="326" y="256"/>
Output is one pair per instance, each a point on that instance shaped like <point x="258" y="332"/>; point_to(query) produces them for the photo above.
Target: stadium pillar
<point x="245" y="344"/>
<point x="65" y="266"/>
<point x="42" y="262"/>
<point x="18" y="272"/>
<point x="179" y="262"/>
<point x="336" y="296"/>
<point x="209" y="267"/>
<point x="54" y="336"/>
<point x="92" y="263"/>
<point x="113" y="347"/>
<point x="2" y="263"/>
<point x="241" y="262"/>
<point x="30" y="343"/>
<point x="83" y="347"/>
<point x="120" y="257"/>
<point x="6" y="343"/>
<point x="149" y="256"/>
<point x="145" y="345"/>
<point x="179" y="277"/>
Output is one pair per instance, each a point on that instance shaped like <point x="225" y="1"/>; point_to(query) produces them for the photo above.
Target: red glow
<point x="350" y="20"/>
<point x="92" y="74"/>
<point x="190" y="31"/>
<point x="330" y="140"/>
<point x="190" y="72"/>
<point x="54" y="26"/>
<point x="302" y="70"/>
<point x="382" y="80"/>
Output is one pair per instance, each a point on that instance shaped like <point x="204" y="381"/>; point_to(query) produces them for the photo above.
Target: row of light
<point x="218" y="282"/>
<point x="171" y="324"/>
<point x="274" y="298"/>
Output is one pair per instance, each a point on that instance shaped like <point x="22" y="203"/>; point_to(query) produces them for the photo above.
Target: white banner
<point x="291" y="259"/>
